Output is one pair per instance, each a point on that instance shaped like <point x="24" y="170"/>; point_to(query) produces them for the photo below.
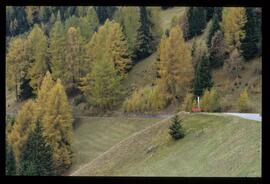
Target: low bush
<point x="210" y="101"/>
<point x="79" y="99"/>
<point x="244" y="103"/>
<point x="187" y="103"/>
<point x="146" y="99"/>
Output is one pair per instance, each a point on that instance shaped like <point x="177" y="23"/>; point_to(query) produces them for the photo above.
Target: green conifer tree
<point x="26" y="91"/>
<point x="37" y="155"/>
<point x="145" y="37"/>
<point x="196" y="21"/>
<point x="176" y="130"/>
<point x="203" y="78"/>
<point x="213" y="29"/>
<point x="249" y="43"/>
<point x="10" y="161"/>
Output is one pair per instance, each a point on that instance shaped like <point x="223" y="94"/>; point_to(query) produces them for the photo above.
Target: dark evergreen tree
<point x="36" y="155"/>
<point x="249" y="44"/>
<point x="218" y="13"/>
<point x="196" y="21"/>
<point x="214" y="27"/>
<point x="10" y="161"/>
<point x="176" y="130"/>
<point x="26" y="91"/>
<point x="209" y="13"/>
<point x="166" y="7"/>
<point x="258" y="20"/>
<point x="203" y="78"/>
<point x="145" y="37"/>
<point x="16" y="22"/>
<point x="104" y="12"/>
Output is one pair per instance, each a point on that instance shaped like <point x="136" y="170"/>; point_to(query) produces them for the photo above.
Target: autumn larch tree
<point x="89" y="24"/>
<point x="111" y="41"/>
<point x="176" y="70"/>
<point x="102" y="86"/>
<point x="72" y="72"/>
<point x="37" y="56"/>
<point x="15" y="64"/>
<point x="24" y="125"/>
<point x="32" y="14"/>
<point x="43" y="94"/>
<point x="232" y="25"/>
<point x="129" y="18"/>
<point x="243" y="102"/>
<point x="57" y="49"/>
<point x="57" y="124"/>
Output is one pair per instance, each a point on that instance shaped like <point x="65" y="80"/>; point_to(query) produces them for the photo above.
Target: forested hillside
<point x="67" y="61"/>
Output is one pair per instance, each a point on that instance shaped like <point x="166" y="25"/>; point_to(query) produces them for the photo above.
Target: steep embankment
<point x="213" y="146"/>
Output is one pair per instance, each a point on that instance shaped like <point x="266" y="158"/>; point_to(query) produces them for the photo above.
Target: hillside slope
<point x="95" y="135"/>
<point x="213" y="146"/>
<point x="143" y="73"/>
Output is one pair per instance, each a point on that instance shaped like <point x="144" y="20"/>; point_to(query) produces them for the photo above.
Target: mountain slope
<point x="213" y="146"/>
<point x="95" y="135"/>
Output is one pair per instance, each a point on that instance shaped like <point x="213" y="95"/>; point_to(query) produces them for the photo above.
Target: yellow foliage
<point x="210" y="101"/>
<point x="15" y="63"/>
<point x="175" y="68"/>
<point x="110" y="41"/>
<point x="232" y="25"/>
<point x="24" y="125"/>
<point x="244" y="103"/>
<point x="53" y="109"/>
<point x="188" y="102"/>
<point x="205" y="100"/>
<point x="43" y="92"/>
<point x="57" y="123"/>
<point x="146" y="99"/>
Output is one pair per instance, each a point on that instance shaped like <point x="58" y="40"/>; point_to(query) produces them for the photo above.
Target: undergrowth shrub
<point x="187" y="103"/>
<point x="210" y="101"/>
<point x="146" y="99"/>
<point x="244" y="102"/>
<point x="79" y="99"/>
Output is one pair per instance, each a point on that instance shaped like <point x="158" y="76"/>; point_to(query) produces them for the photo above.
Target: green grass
<point x="142" y="74"/>
<point x="95" y="135"/>
<point x="213" y="146"/>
